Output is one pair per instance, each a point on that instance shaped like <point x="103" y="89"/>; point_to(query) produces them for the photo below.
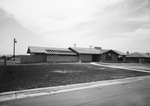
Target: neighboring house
<point x="138" y="57"/>
<point x="72" y="54"/>
<point x="98" y="55"/>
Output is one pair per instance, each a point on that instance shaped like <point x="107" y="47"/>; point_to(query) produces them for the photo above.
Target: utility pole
<point x="14" y="41"/>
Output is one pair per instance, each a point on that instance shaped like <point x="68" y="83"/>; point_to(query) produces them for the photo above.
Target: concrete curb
<point x="60" y="89"/>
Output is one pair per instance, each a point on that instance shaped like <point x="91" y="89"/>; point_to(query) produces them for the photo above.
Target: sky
<point x="122" y="25"/>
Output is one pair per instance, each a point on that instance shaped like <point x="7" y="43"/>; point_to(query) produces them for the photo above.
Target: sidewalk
<point x="121" y="67"/>
<point x="60" y="89"/>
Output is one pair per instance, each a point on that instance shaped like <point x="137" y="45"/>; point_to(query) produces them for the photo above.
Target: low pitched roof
<point x="118" y="52"/>
<point x="137" y="54"/>
<point x="70" y="51"/>
<point x="93" y="51"/>
<point x="49" y="50"/>
<point x="84" y="50"/>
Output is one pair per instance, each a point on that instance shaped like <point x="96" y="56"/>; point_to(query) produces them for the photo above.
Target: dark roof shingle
<point x="69" y="51"/>
<point x="49" y="50"/>
<point x="92" y="51"/>
<point x="84" y="50"/>
<point x="137" y="54"/>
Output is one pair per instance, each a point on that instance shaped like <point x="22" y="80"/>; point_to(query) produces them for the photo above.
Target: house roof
<point x="93" y="51"/>
<point x="118" y="52"/>
<point x="84" y="50"/>
<point x="137" y="54"/>
<point x="49" y="50"/>
<point x="69" y="51"/>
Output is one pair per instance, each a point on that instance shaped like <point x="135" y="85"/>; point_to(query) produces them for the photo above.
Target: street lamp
<point x="14" y="41"/>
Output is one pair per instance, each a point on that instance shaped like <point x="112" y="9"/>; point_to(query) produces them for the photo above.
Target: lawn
<point x="20" y="77"/>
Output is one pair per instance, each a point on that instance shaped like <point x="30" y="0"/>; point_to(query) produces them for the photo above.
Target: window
<point x="108" y="56"/>
<point x="120" y="57"/>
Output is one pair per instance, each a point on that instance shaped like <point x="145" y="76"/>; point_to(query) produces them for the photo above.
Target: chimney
<point x="99" y="48"/>
<point x="90" y="46"/>
<point x="75" y="45"/>
<point x="127" y="52"/>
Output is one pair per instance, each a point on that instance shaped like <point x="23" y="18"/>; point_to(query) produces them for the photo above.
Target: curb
<point x="60" y="89"/>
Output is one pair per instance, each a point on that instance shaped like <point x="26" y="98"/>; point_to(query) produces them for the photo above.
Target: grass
<point x="20" y="77"/>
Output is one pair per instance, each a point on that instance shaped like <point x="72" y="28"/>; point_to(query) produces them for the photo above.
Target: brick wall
<point x="61" y="58"/>
<point x="33" y="58"/>
<point x="85" y="57"/>
<point x="113" y="59"/>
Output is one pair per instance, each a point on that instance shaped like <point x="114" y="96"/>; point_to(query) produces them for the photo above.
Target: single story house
<point x="48" y="54"/>
<point x="137" y="57"/>
<point x="72" y="54"/>
<point x="98" y="55"/>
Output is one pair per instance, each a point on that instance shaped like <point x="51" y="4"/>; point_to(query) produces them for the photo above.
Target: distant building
<point x="47" y="54"/>
<point x="72" y="54"/>
<point x="99" y="55"/>
<point x="137" y="57"/>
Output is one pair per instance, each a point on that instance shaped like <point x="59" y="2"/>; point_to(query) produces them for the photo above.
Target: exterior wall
<point x="103" y="57"/>
<point x="132" y="59"/>
<point x="85" y="57"/>
<point x="37" y="58"/>
<point x="137" y="60"/>
<point x="95" y="58"/>
<point x="147" y="60"/>
<point x="61" y="58"/>
<point x="124" y="59"/>
<point x="113" y="59"/>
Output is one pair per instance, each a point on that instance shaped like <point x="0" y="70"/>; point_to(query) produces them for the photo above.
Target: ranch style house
<point x="72" y="54"/>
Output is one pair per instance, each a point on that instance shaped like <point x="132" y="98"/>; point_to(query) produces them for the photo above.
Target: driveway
<point x="134" y="93"/>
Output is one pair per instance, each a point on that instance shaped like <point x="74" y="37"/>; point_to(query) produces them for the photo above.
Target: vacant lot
<point x="20" y="77"/>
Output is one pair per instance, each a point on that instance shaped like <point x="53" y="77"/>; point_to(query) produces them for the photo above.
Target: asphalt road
<point x="129" y="94"/>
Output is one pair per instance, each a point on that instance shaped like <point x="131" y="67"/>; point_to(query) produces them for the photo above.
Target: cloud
<point x="134" y="41"/>
<point x="129" y="9"/>
<point x="49" y="15"/>
<point x="142" y="33"/>
<point x="124" y="16"/>
<point x="96" y="22"/>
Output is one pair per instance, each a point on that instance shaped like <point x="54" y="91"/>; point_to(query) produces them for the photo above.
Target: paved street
<point x="128" y="94"/>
